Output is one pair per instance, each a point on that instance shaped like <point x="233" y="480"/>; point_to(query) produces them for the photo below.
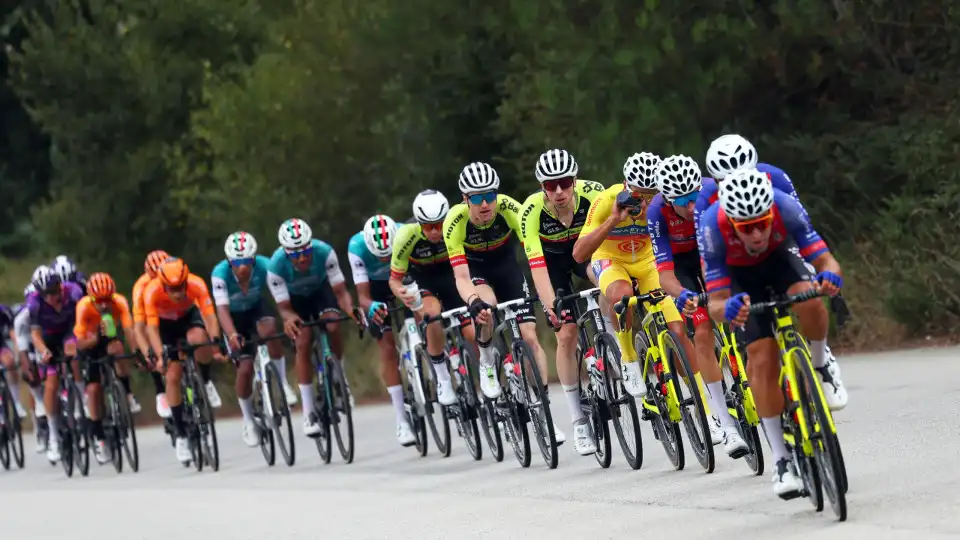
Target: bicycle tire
<point x="16" y="444"/>
<point x="112" y="431"/>
<point x="5" y="425"/>
<point x="321" y="403"/>
<point x="512" y="412"/>
<point x="281" y="414"/>
<point x="826" y="454"/>
<point x="664" y="430"/>
<point x="491" y="429"/>
<point x="207" y="430"/>
<point x="441" y="432"/>
<point x="468" y="404"/>
<point x="543" y="427"/>
<point x="617" y="399"/>
<point x="268" y="446"/>
<point x="601" y="431"/>
<point x="735" y="386"/>
<point x="704" y="450"/>
<point x="81" y="435"/>
<point x="418" y="423"/>
<point x="66" y="430"/>
<point x="127" y="433"/>
<point x="343" y="414"/>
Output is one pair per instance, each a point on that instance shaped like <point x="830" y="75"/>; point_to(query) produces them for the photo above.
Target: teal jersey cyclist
<point x="305" y="280"/>
<point x="239" y="282"/>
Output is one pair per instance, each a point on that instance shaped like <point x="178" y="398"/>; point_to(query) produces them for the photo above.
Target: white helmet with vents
<point x="745" y="194"/>
<point x="555" y="164"/>
<point x="478" y="177"/>
<point x="729" y="153"/>
<point x="640" y="171"/>
<point x="678" y="176"/>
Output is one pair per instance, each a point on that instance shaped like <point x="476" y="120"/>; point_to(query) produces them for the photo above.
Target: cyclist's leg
<point x="509" y="283"/>
<point x="305" y="308"/>
<point x="8" y="360"/>
<point x="197" y="334"/>
<point x="561" y="278"/>
<point x="171" y="331"/>
<point x="51" y="388"/>
<point x="389" y="361"/>
<point x="615" y="283"/>
<point x="267" y="326"/>
<point x="245" y="323"/>
<point x="489" y="382"/>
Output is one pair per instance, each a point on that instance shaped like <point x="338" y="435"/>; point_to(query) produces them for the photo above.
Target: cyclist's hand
<point x="235" y="341"/>
<point x="219" y="356"/>
<point x="620" y="213"/>
<point x="829" y="283"/>
<point x="688" y="301"/>
<point x="552" y="317"/>
<point x="377" y="312"/>
<point x="45" y="356"/>
<point x="408" y="299"/>
<point x="737" y="309"/>
<point x="480" y="311"/>
<point x="291" y="327"/>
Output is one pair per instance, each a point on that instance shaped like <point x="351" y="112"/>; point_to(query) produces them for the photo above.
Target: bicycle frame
<point x="730" y="350"/>
<point x="509" y="327"/>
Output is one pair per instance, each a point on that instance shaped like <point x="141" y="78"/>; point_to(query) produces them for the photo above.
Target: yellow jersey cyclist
<point x="615" y="238"/>
<point x="745" y="243"/>
<point x="305" y="281"/>
<point x="481" y="237"/>
<point x="550" y="224"/>
<point x="671" y="227"/>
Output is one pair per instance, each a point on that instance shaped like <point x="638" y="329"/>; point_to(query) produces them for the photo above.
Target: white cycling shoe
<point x="733" y="444"/>
<point x="633" y="381"/>
<point x="583" y="441"/>
<point x="290" y="393"/>
<point x="716" y="430"/>
<point x="163" y="408"/>
<point x="53" y="451"/>
<point x="311" y="428"/>
<point x="489" y="383"/>
<point x="100" y="451"/>
<point x="251" y="434"/>
<point x="405" y="434"/>
<point x="445" y="394"/>
<point x="183" y="450"/>
<point x="786" y="483"/>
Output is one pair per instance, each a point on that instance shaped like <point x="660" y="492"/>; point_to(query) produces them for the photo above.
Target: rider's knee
<point x="764" y="362"/>
<point x="567" y="335"/>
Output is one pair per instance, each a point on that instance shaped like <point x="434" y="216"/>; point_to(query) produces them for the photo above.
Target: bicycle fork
<point x="411" y="364"/>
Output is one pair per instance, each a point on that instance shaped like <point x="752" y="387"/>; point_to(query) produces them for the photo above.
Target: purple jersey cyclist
<point x="52" y="315"/>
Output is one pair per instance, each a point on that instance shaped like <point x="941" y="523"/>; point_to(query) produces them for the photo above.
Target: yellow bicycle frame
<point x="730" y="351"/>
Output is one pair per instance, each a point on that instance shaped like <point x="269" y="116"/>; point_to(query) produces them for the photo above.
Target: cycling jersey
<point x="544" y="235"/>
<point x="629" y="241"/>
<point x="88" y="319"/>
<point x="139" y="315"/>
<point x="284" y="280"/>
<point x="6" y="327"/>
<point x="158" y="305"/>
<point x="411" y="247"/>
<point x="671" y="234"/>
<point x="466" y="240"/>
<point x="720" y="247"/>
<point x="21" y="328"/>
<point x="366" y="266"/>
<point x="227" y="290"/>
<point x="49" y="320"/>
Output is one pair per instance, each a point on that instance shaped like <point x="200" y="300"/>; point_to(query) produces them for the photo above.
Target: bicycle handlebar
<point x="357" y="315"/>
<point x="561" y="299"/>
<point x="785" y="301"/>
<point x="654" y="297"/>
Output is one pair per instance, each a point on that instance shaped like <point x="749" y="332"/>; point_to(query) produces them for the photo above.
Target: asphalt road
<point x="899" y="434"/>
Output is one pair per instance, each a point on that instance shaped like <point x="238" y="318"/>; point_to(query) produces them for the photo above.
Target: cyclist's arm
<point x="361" y="280"/>
<point x="600" y="221"/>
<point x="659" y="231"/>
<point x="812" y="247"/>
<point x="197" y="289"/>
<point x="140" y="318"/>
<point x="713" y="255"/>
<point x="126" y="320"/>
<point x="281" y="295"/>
<point x="400" y="260"/>
<point x="454" y="233"/>
<point x="221" y="298"/>
<point x="338" y="283"/>
<point x="36" y="331"/>
<point x="152" y="319"/>
<point x="86" y="337"/>
<point x="21" y="325"/>
<point x="533" y="247"/>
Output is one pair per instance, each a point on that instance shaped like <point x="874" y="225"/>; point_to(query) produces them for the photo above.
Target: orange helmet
<point x="173" y="272"/>
<point x="101" y="286"/>
<point x="153" y="261"/>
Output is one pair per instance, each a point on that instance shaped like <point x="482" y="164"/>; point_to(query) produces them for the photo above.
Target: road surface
<point x="899" y="434"/>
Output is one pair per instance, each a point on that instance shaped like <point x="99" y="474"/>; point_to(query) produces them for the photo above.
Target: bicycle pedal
<point x="789" y="496"/>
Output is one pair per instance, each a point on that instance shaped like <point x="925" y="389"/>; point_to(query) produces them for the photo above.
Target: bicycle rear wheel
<point x="622" y="407"/>
<point x="664" y="430"/>
<point x="111" y="424"/>
<point x="6" y="435"/>
<point x="735" y="387"/>
<point x="16" y="442"/>
<point x="468" y="405"/>
<point x="206" y="426"/>
<point x="691" y="402"/>
<point x="268" y="446"/>
<point x="537" y="403"/>
<point x="439" y="427"/>
<point x="278" y="415"/>
<point x="80" y="436"/>
<point x="126" y="432"/>
<point x="342" y="419"/>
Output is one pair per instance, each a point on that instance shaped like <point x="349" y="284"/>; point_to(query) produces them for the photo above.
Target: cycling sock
<point x="125" y="381"/>
<point x="246" y="407"/>
<point x="818" y="353"/>
<point x="719" y="404"/>
<point x="81" y="387"/>
<point x="774" y="432"/>
<point x="38" y="408"/>
<point x="177" y="412"/>
<point x="14" y="391"/>
<point x="440" y="368"/>
<point x="306" y="397"/>
<point x="158" y="385"/>
<point x="281" y="365"/>
<point x="572" y="392"/>
<point x="98" y="429"/>
<point x="205" y="370"/>
<point x="396" y="397"/>
<point x="54" y="425"/>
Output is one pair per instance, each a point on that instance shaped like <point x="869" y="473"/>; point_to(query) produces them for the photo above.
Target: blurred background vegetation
<point x="143" y="124"/>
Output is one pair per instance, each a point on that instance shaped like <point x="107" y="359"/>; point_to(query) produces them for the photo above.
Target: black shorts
<point x="91" y="372"/>
<point x="442" y="286"/>
<point x="245" y="322"/>
<point x="506" y="278"/>
<point x="778" y="272"/>
<point x="316" y="303"/>
<point x="380" y="292"/>
<point x="686" y="266"/>
<point x="172" y="332"/>
<point x="562" y="270"/>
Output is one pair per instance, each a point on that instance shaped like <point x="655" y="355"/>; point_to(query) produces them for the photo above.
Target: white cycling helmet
<point x="294" y="234"/>
<point x="728" y="153"/>
<point x="678" y="176"/>
<point x="554" y="164"/>
<point x="30" y="289"/>
<point x="378" y="234"/>
<point x="478" y="177"/>
<point x="44" y="278"/>
<point x="430" y="206"/>
<point x="37" y="271"/>
<point x="240" y="245"/>
<point x="640" y="171"/>
<point x="745" y="194"/>
<point x="64" y="268"/>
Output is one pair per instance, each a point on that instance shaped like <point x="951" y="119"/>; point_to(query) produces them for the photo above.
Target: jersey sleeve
<point x="590" y="189"/>
<point x="509" y="208"/>
<point x="708" y="190"/>
<point x="123" y="310"/>
<point x="278" y="287"/>
<point x="658" y="229"/>
<point x="358" y="268"/>
<point x="600" y="210"/>
<point x="21" y="327"/>
<point x="151" y="295"/>
<point x="403" y="245"/>
<point x="454" y="233"/>
<point x="332" y="268"/>
<point x="197" y="290"/>
<point x="221" y="296"/>
<point x="530" y="230"/>
<point x="797" y="223"/>
<point x="713" y="252"/>
<point x="85" y="314"/>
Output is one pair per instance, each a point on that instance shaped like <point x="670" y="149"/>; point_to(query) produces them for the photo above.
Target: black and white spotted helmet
<point x="745" y="194"/>
<point x="640" y="171"/>
<point x="729" y="153"/>
<point x="478" y="177"/>
<point x="678" y="176"/>
<point x="555" y="164"/>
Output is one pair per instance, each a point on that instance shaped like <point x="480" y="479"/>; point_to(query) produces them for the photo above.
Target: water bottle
<point x="110" y="326"/>
<point x="590" y="358"/>
<point x="508" y="365"/>
<point x="454" y="355"/>
<point x="413" y="289"/>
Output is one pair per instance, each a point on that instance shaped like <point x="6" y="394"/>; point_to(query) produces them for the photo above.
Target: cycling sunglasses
<point x="237" y="263"/>
<point x="479" y="198"/>
<point x="299" y="253"/>
<point x="562" y="183"/>
<point x="645" y="195"/>
<point x="686" y="199"/>
<point x="759" y="223"/>
<point x="176" y="290"/>
<point x="427" y="227"/>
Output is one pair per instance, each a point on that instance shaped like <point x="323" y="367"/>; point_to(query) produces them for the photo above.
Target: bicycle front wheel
<point x="6" y="423"/>
<point x="111" y="426"/>
<point x="268" y="445"/>
<point x="126" y="431"/>
<point x="343" y="417"/>
<point x="537" y="403"/>
<point x="277" y="413"/>
<point x="623" y="409"/>
<point x="16" y="437"/>
<point x="80" y="436"/>
<point x="469" y="404"/>
<point x="735" y="390"/>
<point x="690" y="400"/>
<point x="436" y="413"/>
<point x="206" y="426"/>
<point x="655" y="407"/>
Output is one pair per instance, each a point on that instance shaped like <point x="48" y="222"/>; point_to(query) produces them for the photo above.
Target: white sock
<point x="37" y="392"/>
<point x="281" y="365"/>
<point x="486" y="356"/>
<point x="396" y="397"/>
<point x="774" y="433"/>
<point x="15" y="392"/>
<point x="818" y="353"/>
<point x="719" y="404"/>
<point x="246" y="407"/>
<point x="306" y="398"/>
<point x="54" y="424"/>
<point x="572" y="392"/>
<point x="80" y="388"/>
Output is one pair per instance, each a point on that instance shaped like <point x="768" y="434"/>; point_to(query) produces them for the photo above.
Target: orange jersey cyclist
<point x="150" y="267"/>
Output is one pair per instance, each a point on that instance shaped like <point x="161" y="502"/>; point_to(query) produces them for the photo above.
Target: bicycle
<point x="119" y="430"/>
<point x="808" y="427"/>
<point x="74" y="437"/>
<point x="11" y="430"/>
<point x="200" y="424"/>
<point x="665" y="406"/>
<point x="526" y="391"/>
<point x="604" y="397"/>
<point x="270" y="409"/>
<point x="332" y="402"/>
<point x="737" y="392"/>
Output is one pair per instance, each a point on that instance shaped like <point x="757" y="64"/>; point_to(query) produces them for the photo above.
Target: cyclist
<point x="732" y="152"/>
<point x="52" y="314"/>
<point x="151" y="266"/>
<point x="419" y="249"/>
<point x="305" y="280"/>
<point x="67" y="271"/>
<point x="550" y="223"/>
<point x="744" y="245"/>
<point x="96" y="339"/>
<point x="28" y="367"/>
<point x="670" y="224"/>
<point x="177" y="305"/>
<point x="8" y="359"/>
<point x="480" y="235"/>
<point x="238" y="285"/>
